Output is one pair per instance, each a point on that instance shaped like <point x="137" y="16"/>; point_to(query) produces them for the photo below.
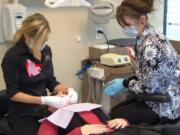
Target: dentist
<point x="28" y="71"/>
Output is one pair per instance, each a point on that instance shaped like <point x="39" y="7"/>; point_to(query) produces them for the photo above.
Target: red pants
<point x="48" y="128"/>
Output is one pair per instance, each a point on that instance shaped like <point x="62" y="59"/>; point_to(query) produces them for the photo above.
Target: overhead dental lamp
<point x="102" y="11"/>
<point x="66" y="3"/>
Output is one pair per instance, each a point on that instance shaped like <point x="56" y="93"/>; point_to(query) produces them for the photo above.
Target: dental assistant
<point x="157" y="68"/>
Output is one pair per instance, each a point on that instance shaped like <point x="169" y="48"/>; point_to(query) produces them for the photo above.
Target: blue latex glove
<point x="114" y="87"/>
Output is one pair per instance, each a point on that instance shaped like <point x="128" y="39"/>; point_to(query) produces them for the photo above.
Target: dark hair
<point x="134" y="9"/>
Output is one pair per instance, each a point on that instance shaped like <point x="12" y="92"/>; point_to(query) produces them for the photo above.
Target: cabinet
<point x="94" y="86"/>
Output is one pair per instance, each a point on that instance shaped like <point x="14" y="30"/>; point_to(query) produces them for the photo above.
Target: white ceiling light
<point x="66" y="3"/>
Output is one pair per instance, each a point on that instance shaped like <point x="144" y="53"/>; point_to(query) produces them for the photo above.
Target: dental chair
<point x="161" y="129"/>
<point x="4" y="128"/>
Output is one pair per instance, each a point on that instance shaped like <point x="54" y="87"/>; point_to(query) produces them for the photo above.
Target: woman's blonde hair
<point x="37" y="28"/>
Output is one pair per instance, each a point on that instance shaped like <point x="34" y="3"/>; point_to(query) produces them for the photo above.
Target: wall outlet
<point x="98" y="35"/>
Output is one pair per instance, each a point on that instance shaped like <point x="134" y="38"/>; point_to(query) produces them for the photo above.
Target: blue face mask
<point x="130" y="31"/>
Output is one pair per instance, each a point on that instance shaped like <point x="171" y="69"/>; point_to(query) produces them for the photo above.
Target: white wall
<point x="66" y="24"/>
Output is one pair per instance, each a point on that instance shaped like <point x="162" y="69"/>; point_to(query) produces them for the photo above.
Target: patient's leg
<point x="47" y="128"/>
<point x="135" y="113"/>
<point x="101" y="115"/>
<point x="96" y="116"/>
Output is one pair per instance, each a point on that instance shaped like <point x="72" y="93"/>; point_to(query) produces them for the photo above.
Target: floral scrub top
<point x="158" y="71"/>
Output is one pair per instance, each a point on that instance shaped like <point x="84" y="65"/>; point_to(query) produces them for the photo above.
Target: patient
<point x="83" y="123"/>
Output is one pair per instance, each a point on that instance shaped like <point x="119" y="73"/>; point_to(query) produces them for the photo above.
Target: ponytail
<point x="134" y="8"/>
<point x="145" y="6"/>
<point x="18" y="35"/>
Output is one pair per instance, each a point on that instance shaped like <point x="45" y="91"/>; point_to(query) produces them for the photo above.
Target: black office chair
<point x="167" y="129"/>
<point x="4" y="128"/>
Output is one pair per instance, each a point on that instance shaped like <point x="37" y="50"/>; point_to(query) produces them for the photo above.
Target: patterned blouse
<point x="158" y="71"/>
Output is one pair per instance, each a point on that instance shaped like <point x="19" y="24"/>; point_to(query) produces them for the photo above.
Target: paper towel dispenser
<point x="13" y="16"/>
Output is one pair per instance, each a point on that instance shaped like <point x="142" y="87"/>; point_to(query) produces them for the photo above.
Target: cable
<point x="87" y="64"/>
<point x="101" y="32"/>
<point x="91" y="93"/>
<point x="81" y="72"/>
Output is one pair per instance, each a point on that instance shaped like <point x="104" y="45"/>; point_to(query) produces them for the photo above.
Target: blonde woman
<point x="28" y="71"/>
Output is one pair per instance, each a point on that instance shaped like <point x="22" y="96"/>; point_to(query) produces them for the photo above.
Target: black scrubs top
<point x="23" y="73"/>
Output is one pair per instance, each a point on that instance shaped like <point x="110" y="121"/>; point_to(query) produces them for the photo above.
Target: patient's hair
<point x="37" y="28"/>
<point x="134" y="9"/>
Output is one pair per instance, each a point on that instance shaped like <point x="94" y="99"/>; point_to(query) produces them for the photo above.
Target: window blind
<point x="173" y="20"/>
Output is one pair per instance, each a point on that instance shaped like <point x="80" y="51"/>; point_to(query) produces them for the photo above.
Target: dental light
<point x="102" y="11"/>
<point x="66" y="3"/>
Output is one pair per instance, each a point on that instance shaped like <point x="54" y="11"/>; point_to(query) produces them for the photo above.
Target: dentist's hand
<point x="60" y="101"/>
<point x="114" y="87"/>
<point x="54" y="101"/>
<point x="72" y="95"/>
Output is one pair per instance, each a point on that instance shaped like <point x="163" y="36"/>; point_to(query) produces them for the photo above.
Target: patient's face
<point x="51" y="109"/>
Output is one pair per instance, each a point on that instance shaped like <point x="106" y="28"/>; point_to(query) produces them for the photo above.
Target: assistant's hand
<point x="93" y="129"/>
<point x="117" y="123"/>
<point x="114" y="87"/>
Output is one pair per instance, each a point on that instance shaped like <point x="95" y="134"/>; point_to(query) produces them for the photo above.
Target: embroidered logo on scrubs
<point x="47" y="57"/>
<point x="32" y="68"/>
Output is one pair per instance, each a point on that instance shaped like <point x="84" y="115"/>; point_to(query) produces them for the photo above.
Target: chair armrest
<point x="3" y="102"/>
<point x="161" y="98"/>
<point x="171" y="130"/>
